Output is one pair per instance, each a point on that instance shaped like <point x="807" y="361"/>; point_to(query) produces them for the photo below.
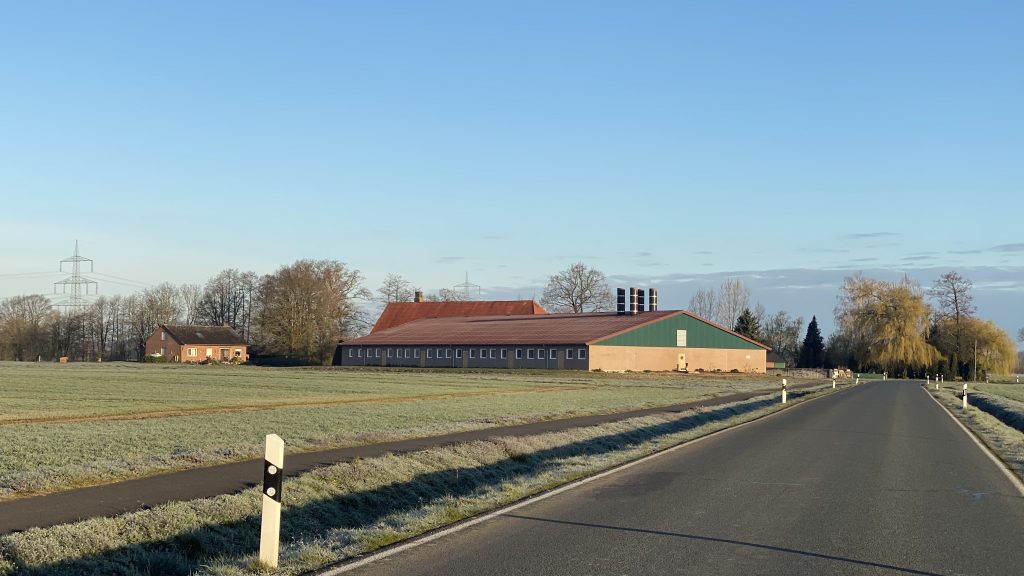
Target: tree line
<point x="299" y="312"/>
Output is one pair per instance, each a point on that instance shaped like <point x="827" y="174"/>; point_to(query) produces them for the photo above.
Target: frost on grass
<point x="1004" y="440"/>
<point x="352" y="508"/>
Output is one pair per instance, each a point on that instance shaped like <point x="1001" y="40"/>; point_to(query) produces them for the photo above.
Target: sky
<point x="669" y="144"/>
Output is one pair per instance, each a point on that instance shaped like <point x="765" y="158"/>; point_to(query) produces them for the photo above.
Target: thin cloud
<point x="450" y="259"/>
<point x="870" y="235"/>
<point x="918" y="258"/>
<point x="1008" y="248"/>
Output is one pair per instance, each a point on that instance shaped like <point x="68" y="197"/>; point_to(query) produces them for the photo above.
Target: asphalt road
<point x="117" y="498"/>
<point x="874" y="480"/>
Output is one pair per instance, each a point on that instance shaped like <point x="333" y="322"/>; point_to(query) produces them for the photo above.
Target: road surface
<point x="874" y="480"/>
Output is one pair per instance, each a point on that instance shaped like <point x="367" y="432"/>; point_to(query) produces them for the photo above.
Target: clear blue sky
<point x="667" y="143"/>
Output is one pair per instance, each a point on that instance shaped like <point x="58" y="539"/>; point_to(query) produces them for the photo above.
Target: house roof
<point x="398" y="313"/>
<point x="203" y="334"/>
<point x="511" y="330"/>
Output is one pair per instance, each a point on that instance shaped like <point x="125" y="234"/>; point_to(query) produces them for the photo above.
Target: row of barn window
<point x="531" y="353"/>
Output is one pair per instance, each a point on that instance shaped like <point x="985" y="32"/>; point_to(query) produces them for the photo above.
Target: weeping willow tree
<point x="997" y="354"/>
<point x="886" y="324"/>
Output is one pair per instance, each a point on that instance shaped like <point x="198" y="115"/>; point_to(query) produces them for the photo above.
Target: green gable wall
<point x="663" y="334"/>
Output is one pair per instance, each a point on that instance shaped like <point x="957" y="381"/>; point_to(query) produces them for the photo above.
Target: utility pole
<point x="975" y="359"/>
<point x="467" y="285"/>
<point x="75" y="303"/>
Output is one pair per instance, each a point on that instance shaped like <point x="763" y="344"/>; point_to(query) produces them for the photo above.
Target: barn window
<point x="552" y="354"/>
<point x="389" y="352"/>
<point x="430" y="352"/>
<point x="416" y="353"/>
<point x="448" y="353"/>
<point x="530" y="353"/>
<point x="583" y="354"/>
<point x="350" y="352"/>
<point x="472" y="352"/>
<point x="681" y="338"/>
<point x="377" y="353"/>
<point x="360" y="352"/>
<point x="568" y="354"/>
<point x="519" y="353"/>
<point x="504" y="353"/>
<point x="540" y="354"/>
<point x="492" y="354"/>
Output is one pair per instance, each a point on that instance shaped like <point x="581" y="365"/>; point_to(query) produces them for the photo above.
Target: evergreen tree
<point x="812" y="353"/>
<point x="748" y="325"/>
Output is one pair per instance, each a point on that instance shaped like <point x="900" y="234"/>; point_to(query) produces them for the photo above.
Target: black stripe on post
<point x="272" y="477"/>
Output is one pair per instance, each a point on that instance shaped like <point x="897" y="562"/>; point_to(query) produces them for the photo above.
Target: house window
<point x="472" y="352"/>
<point x="483" y="353"/>
<point x="406" y="352"/>
<point x="193" y="352"/>
<point x="238" y="352"/>
<point x="163" y="335"/>
<point x="552" y="354"/>
<point x="530" y="354"/>
<point x="493" y="353"/>
<point x="377" y="353"/>
<point x="540" y="354"/>
<point x="439" y="353"/>
<point x="504" y="353"/>
<point x="430" y="352"/>
<point x="568" y="354"/>
<point x="582" y="354"/>
<point x="448" y="353"/>
<point x="209" y="352"/>
<point x="519" y="353"/>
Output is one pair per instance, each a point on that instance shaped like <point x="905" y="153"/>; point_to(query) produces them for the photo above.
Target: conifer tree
<point x="812" y="353"/>
<point x="748" y="325"/>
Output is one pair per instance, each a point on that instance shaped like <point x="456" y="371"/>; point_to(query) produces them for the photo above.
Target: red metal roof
<point x="510" y="330"/>
<point x="398" y="313"/>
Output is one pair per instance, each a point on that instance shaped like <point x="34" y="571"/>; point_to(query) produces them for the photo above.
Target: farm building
<point x="397" y="313"/>
<point x="197" y="343"/>
<point x="610" y="341"/>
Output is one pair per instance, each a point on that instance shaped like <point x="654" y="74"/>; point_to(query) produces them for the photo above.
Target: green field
<point x="79" y="424"/>
<point x="1011" y="391"/>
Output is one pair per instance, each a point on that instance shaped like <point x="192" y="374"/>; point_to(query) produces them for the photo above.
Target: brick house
<point x="197" y="343"/>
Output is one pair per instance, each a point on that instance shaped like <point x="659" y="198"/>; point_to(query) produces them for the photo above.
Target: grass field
<point x="79" y="424"/>
<point x="1012" y="391"/>
<point x="347" y="509"/>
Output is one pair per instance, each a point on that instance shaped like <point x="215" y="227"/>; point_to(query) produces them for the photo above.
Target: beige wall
<point x="638" y="358"/>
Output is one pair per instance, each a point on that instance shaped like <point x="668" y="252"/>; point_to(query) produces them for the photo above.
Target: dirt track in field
<point x="277" y="405"/>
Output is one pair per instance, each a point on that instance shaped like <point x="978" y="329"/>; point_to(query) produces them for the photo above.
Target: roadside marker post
<point x="833" y="383"/>
<point x="273" y="472"/>
<point x="965" y="395"/>
<point x="783" y="390"/>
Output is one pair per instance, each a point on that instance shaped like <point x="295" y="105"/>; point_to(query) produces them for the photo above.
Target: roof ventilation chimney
<point x="419" y="296"/>
<point x="640" y="300"/>
<point x="652" y="299"/>
<point x="621" y="309"/>
<point x="632" y="301"/>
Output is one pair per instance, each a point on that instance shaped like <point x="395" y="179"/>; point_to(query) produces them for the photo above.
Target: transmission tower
<point x="74" y="302"/>
<point x="467" y="285"/>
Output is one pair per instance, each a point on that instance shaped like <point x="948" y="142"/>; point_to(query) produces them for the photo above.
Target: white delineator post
<point x="833" y="383"/>
<point x="273" y="472"/>
<point x="965" y="395"/>
<point x="783" y="390"/>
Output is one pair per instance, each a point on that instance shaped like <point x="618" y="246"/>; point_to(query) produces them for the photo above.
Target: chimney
<point x="632" y="301"/>
<point x="640" y="300"/>
<point x="621" y="309"/>
<point x="419" y="296"/>
<point x="652" y="299"/>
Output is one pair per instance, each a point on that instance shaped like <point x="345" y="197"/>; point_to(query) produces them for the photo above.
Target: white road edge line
<point x="984" y="447"/>
<point x="420" y="540"/>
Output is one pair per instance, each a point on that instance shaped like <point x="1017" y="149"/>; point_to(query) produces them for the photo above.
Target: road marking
<point x="984" y="447"/>
<point x="462" y="525"/>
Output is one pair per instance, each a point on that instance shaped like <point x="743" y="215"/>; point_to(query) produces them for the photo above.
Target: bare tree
<point x="447" y="295"/>
<point x="577" y="289"/>
<point x="395" y="289"/>
<point x="189" y="296"/>
<point x="704" y="303"/>
<point x="25" y="323"/>
<point x="308" y="306"/>
<point x="1020" y="335"/>
<point x="231" y="297"/>
<point x="733" y="298"/>
<point x="782" y="334"/>
<point x="953" y="294"/>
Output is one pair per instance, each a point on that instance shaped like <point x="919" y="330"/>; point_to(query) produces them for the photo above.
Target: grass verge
<point x="1003" y="439"/>
<point x="349" y="509"/>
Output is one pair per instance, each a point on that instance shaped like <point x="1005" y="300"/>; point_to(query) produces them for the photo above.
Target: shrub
<point x="155" y="359"/>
